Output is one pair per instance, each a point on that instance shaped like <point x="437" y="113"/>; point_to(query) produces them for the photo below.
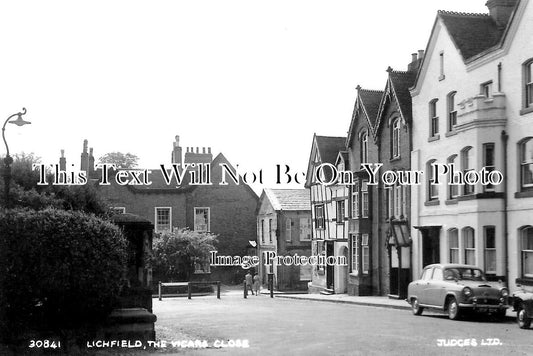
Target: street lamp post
<point x="8" y="160"/>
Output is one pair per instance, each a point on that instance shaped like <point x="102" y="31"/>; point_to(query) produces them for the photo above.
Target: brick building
<point x="225" y="210"/>
<point x="284" y="227"/>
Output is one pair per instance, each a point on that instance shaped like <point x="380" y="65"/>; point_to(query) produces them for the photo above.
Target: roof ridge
<point x="372" y="90"/>
<point x="458" y="13"/>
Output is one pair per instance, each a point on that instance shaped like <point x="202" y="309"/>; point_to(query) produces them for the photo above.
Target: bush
<point x="58" y="269"/>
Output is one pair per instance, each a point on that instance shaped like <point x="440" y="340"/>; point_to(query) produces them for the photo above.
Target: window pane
<point x="201" y="219"/>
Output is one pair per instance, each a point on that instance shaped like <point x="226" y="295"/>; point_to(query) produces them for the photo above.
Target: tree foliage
<point x="58" y="269"/>
<point x="175" y="253"/>
<point x="26" y="193"/>
<point x="121" y="160"/>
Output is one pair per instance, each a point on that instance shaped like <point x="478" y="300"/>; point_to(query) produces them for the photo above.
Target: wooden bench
<point x="189" y="285"/>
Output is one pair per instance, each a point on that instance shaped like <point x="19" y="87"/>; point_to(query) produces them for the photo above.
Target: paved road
<point x="293" y="327"/>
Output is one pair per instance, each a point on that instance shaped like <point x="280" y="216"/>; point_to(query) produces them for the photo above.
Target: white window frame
<point x="453" y="248"/>
<point x="469" y="249"/>
<point x="452" y="113"/>
<point x="156" y="222"/>
<point x="355" y="201"/>
<point x="365" y="203"/>
<point x="288" y="230"/>
<point x="432" y="189"/>
<point x="395" y="137"/>
<point x="305" y="229"/>
<point x="525" y="253"/>
<point x="468" y="164"/>
<point x="364" y="147"/>
<point x="490" y="252"/>
<point x="208" y="218"/>
<point x="525" y="162"/>
<point x="433" y="118"/>
<point x="528" y="84"/>
<point x="365" y="253"/>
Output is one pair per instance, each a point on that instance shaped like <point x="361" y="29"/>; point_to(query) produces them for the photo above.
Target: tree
<point x="121" y="160"/>
<point x="175" y="253"/>
<point x="26" y="193"/>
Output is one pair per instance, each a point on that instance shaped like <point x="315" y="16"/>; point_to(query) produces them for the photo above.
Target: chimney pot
<point x="413" y="57"/>
<point x="62" y="153"/>
<point x="420" y="54"/>
<point x="203" y="150"/>
<point x="209" y="150"/>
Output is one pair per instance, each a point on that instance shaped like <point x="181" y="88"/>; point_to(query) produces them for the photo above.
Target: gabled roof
<point x="329" y="147"/>
<point x="288" y="199"/>
<point x="368" y="101"/>
<point x="326" y="148"/>
<point x="401" y="82"/>
<point x="471" y="33"/>
<point x="397" y="87"/>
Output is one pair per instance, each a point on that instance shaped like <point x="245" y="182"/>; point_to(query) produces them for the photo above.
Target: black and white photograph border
<point x="282" y="178"/>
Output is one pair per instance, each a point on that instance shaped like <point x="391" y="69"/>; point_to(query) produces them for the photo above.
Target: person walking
<point x="257" y="284"/>
<point x="249" y="282"/>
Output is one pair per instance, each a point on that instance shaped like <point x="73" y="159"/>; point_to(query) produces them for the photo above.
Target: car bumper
<point x="476" y="306"/>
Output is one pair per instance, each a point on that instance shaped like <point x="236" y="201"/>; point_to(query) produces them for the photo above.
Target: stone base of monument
<point x="130" y="324"/>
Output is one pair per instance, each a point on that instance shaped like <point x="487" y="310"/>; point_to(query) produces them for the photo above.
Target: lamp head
<point x="19" y="121"/>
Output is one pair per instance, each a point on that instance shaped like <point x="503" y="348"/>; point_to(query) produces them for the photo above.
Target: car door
<point x="424" y="285"/>
<point x="435" y="289"/>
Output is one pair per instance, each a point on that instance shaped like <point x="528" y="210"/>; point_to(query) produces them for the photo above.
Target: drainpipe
<point x="505" y="137"/>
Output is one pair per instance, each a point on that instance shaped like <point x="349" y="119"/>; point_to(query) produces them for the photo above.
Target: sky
<point x="253" y="80"/>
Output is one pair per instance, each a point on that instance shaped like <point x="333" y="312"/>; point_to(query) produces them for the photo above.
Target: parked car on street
<point x="455" y="288"/>
<point x="523" y="305"/>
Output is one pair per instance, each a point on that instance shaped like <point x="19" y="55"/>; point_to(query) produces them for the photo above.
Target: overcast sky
<point x="253" y="80"/>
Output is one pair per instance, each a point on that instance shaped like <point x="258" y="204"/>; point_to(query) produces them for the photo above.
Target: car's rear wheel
<point x="415" y="307"/>
<point x="453" y="309"/>
<point x="521" y="317"/>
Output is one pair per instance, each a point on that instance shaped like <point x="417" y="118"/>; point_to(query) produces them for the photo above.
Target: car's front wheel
<point x="453" y="309"/>
<point x="415" y="307"/>
<point x="521" y="317"/>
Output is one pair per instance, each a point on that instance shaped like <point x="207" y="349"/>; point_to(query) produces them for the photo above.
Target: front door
<point x="430" y="246"/>
<point x="330" y="269"/>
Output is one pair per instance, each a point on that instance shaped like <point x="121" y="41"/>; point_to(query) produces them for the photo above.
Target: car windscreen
<point x="462" y="273"/>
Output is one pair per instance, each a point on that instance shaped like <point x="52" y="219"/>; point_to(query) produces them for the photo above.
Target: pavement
<point x="371" y="301"/>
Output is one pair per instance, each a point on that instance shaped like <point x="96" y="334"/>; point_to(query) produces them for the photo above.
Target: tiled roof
<point x="471" y="33"/>
<point x="401" y="82"/>
<point x="329" y="147"/>
<point x="370" y="99"/>
<point x="289" y="199"/>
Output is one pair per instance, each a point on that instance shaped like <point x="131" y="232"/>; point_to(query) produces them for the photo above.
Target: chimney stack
<point x="501" y="10"/>
<point x="416" y="60"/>
<point x="91" y="163"/>
<point x="176" y="151"/>
<point x="84" y="164"/>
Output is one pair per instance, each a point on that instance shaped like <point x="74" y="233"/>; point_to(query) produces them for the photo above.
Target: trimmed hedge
<point x="58" y="269"/>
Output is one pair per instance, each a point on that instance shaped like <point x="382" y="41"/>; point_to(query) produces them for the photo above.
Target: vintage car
<point x="455" y="288"/>
<point x="523" y="305"/>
